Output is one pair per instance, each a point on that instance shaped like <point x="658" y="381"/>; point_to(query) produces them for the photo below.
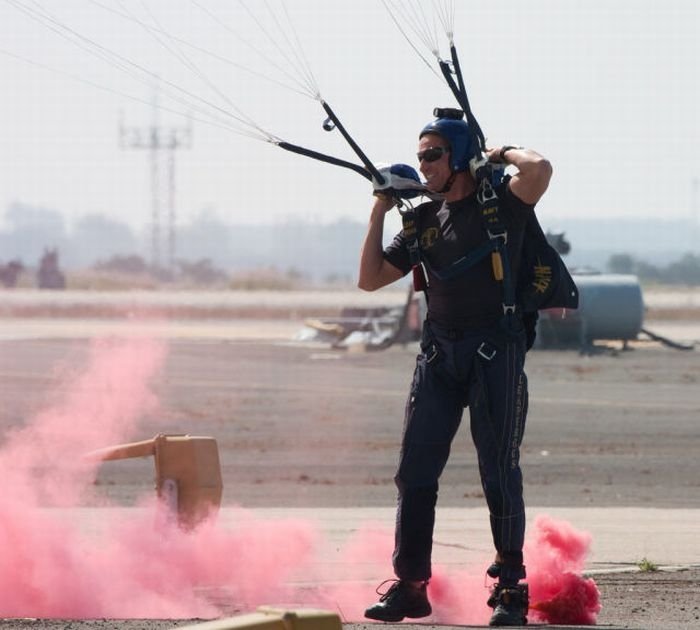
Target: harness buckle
<point x="509" y="309"/>
<point x="486" y="351"/>
<point x="486" y="193"/>
<point x="502" y="234"/>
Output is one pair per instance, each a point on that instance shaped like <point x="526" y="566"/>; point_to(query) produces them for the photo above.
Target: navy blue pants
<point x="453" y="371"/>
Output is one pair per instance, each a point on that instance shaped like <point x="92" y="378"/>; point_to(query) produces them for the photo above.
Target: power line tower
<point x="161" y="143"/>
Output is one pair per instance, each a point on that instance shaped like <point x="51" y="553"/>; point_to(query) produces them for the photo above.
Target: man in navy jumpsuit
<point x="471" y="355"/>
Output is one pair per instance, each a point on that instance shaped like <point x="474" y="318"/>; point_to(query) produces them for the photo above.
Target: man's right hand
<point x="400" y="180"/>
<point x="383" y="202"/>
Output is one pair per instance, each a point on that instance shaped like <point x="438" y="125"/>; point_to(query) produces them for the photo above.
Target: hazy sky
<point x="608" y="91"/>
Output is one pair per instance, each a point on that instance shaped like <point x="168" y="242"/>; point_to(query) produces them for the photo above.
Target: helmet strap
<point x="448" y="183"/>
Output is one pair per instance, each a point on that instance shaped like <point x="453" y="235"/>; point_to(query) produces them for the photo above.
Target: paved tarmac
<point x="268" y="330"/>
<point x="622" y="537"/>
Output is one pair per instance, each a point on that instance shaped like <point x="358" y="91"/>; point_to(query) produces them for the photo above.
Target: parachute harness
<point x="488" y="203"/>
<point x="495" y="246"/>
<point x="484" y="175"/>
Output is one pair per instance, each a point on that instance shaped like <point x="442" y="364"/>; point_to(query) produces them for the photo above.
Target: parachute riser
<point x="322" y="157"/>
<point x="457" y="70"/>
<point x="348" y="138"/>
<point x="460" y="93"/>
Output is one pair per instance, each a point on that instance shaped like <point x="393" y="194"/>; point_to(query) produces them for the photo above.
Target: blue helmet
<point x="456" y="134"/>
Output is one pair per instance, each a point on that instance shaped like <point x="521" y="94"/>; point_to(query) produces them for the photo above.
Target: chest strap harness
<point x="495" y="246"/>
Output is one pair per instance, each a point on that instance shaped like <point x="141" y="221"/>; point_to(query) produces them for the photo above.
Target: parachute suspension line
<point x="252" y="130"/>
<point x="156" y="33"/>
<point x="300" y="87"/>
<point x="199" y="49"/>
<point x="297" y="57"/>
<point x="298" y="50"/>
<point x="39" y="7"/>
<point x="416" y="19"/>
<point x="410" y="15"/>
<point x="179" y="54"/>
<point x="407" y="38"/>
<point x="213" y="122"/>
<point x="174" y="50"/>
<point x="46" y="19"/>
<point x="445" y="12"/>
<point x="287" y="34"/>
<point x="308" y="85"/>
<point x="425" y="25"/>
<point x="122" y="63"/>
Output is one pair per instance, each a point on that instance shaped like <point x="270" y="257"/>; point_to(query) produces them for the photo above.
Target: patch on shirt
<point x="429" y="237"/>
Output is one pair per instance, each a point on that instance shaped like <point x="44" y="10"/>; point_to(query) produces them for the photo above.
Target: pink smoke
<point x="351" y="586"/>
<point x="138" y="564"/>
<point x="555" y="554"/>
<point x="459" y="598"/>
<point x="556" y="557"/>
<point x="100" y="405"/>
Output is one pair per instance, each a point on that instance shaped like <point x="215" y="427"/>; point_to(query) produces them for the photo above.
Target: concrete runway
<point x="621" y="536"/>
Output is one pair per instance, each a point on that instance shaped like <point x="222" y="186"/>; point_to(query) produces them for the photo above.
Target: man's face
<point x="436" y="172"/>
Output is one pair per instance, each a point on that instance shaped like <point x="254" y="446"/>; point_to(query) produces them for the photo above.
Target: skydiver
<point x="471" y="354"/>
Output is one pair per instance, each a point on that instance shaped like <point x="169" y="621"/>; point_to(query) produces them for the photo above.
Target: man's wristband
<point x="502" y="153"/>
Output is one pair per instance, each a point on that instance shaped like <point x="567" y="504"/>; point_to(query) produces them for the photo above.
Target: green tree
<point x="622" y="263"/>
<point x="684" y="271"/>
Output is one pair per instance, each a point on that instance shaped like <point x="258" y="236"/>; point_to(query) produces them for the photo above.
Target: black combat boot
<point x="403" y="599"/>
<point x="510" y="604"/>
<point x="510" y="568"/>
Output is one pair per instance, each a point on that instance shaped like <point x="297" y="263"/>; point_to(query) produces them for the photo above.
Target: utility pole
<point x="159" y="140"/>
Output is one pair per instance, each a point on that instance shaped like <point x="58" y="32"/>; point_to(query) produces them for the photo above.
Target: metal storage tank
<point x="611" y="307"/>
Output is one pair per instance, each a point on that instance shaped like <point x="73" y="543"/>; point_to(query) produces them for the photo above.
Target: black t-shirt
<point x="448" y="231"/>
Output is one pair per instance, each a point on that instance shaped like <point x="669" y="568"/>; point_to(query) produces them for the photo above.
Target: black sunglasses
<point x="433" y="154"/>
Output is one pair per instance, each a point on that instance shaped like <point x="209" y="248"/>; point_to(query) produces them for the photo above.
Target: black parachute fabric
<point x="544" y="280"/>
